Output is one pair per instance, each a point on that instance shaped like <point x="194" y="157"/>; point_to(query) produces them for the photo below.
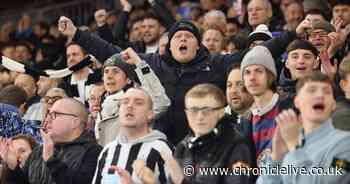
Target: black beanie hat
<point x="185" y="25"/>
<point x="116" y="60"/>
<point x="302" y="44"/>
<point x="342" y="2"/>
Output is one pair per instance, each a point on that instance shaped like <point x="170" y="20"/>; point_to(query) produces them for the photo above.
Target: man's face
<point x="136" y="32"/>
<point x="257" y="13"/>
<point x="319" y="39"/>
<point x="163" y="41"/>
<point x="62" y="122"/>
<point x="315" y="101"/>
<point x="300" y="63"/>
<point x="4" y="78"/>
<point x="202" y="121"/>
<point x="184" y="46"/>
<point x="50" y="98"/>
<point x="284" y="4"/>
<point x="151" y="31"/>
<point x="27" y="83"/>
<point x="342" y="12"/>
<point x="213" y="40"/>
<point x="44" y="84"/>
<point x="9" y="52"/>
<point x="95" y="99"/>
<point x="255" y="79"/>
<point x="217" y="22"/>
<point x="135" y="109"/>
<point x="74" y="55"/>
<point x="238" y="99"/>
<point x="231" y="29"/>
<point x="345" y="86"/>
<point x="22" y="149"/>
<point x="22" y="54"/>
<point x="114" y="79"/>
<point x="294" y="15"/>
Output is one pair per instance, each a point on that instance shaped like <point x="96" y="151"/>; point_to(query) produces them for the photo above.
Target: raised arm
<point x="160" y="9"/>
<point x="92" y="44"/>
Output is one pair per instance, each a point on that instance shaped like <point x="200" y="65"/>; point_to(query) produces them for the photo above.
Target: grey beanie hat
<point x="259" y="55"/>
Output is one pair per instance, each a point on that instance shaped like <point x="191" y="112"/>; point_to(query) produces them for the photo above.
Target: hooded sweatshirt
<point x="123" y="153"/>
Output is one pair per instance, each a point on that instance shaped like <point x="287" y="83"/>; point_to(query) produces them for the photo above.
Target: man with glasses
<point x="51" y="96"/>
<point x="96" y="94"/>
<point x="213" y="141"/>
<point x="68" y="154"/>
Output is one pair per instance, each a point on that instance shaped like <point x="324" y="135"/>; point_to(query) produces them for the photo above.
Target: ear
<point x="342" y="84"/>
<point x="22" y="108"/>
<point x="151" y="115"/>
<point x="287" y="65"/>
<point x="297" y="102"/>
<point x="162" y="29"/>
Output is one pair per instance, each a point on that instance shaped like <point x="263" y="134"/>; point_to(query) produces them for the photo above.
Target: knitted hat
<point x="185" y="25"/>
<point x="116" y="60"/>
<point x="324" y="25"/>
<point x="259" y="55"/>
<point x="261" y="33"/>
<point x="302" y="44"/>
<point x="342" y="2"/>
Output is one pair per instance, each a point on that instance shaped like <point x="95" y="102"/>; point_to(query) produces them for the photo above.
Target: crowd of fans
<point x="145" y="94"/>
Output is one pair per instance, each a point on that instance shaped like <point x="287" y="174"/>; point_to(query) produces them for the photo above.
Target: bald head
<point x="74" y="107"/>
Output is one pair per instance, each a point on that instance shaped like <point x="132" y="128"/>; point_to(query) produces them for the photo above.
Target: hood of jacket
<point x="152" y="136"/>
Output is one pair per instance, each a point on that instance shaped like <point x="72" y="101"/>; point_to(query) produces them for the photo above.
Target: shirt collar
<point x="267" y="108"/>
<point x="73" y="80"/>
<point x="317" y="134"/>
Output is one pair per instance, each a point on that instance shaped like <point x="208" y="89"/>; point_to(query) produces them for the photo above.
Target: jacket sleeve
<point x="120" y="28"/>
<point x="16" y="176"/>
<point x="277" y="46"/>
<point x="160" y="9"/>
<point x="61" y="174"/>
<point x="105" y="33"/>
<point x="96" y="46"/>
<point x="151" y="83"/>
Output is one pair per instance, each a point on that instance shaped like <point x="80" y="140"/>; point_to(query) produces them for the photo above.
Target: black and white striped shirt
<point x="123" y="154"/>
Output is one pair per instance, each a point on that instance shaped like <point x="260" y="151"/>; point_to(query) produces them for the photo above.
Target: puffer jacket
<point x="72" y="163"/>
<point x="178" y="78"/>
<point x="223" y="147"/>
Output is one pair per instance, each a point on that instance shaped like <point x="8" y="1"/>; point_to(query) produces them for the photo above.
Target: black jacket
<point x="221" y="148"/>
<point x="178" y="78"/>
<point x="72" y="163"/>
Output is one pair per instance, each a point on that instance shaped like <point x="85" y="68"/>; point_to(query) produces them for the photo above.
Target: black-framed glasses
<point x="53" y="115"/>
<point x="204" y="110"/>
<point x="53" y="99"/>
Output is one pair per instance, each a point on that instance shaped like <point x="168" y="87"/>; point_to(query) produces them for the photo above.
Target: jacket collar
<point x="267" y="108"/>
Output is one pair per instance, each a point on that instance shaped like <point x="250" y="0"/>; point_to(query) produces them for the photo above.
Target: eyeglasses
<point x="205" y="110"/>
<point x="53" y="115"/>
<point x="53" y="99"/>
<point x="321" y="34"/>
<point x="94" y="99"/>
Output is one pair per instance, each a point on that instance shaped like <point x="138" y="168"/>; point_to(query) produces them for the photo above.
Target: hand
<point x="150" y="1"/>
<point x="176" y="172"/>
<point x="101" y="17"/>
<point x="7" y="153"/>
<point x="24" y="23"/>
<point x="130" y="56"/>
<point x="337" y="39"/>
<point x="303" y="26"/>
<point x="326" y="65"/>
<point x="48" y="145"/>
<point x="279" y="147"/>
<point x="145" y="174"/>
<point x="289" y="125"/>
<point x="126" y="5"/>
<point x="66" y="27"/>
<point x="124" y="175"/>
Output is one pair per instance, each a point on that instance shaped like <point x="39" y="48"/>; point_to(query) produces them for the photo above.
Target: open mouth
<point x="319" y="107"/>
<point x="183" y="49"/>
<point x="129" y="115"/>
<point x="301" y="68"/>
